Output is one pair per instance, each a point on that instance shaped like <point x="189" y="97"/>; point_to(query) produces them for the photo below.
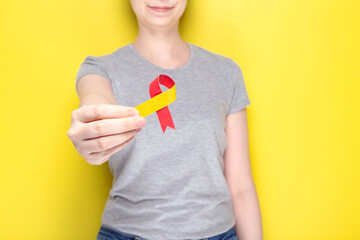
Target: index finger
<point x="91" y="113"/>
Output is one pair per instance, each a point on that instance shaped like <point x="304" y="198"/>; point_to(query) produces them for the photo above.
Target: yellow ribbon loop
<point x="158" y="102"/>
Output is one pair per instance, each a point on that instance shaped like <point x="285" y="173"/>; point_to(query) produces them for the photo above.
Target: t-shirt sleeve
<point x="240" y="98"/>
<point x="92" y="65"/>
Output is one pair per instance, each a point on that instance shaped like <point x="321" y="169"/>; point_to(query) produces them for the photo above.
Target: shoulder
<point x="214" y="60"/>
<point x="109" y="59"/>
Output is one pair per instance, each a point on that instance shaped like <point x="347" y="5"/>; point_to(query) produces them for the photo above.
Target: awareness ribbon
<point x="159" y="101"/>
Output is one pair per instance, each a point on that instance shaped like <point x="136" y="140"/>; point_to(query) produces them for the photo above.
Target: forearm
<point x="94" y="98"/>
<point x="248" y="217"/>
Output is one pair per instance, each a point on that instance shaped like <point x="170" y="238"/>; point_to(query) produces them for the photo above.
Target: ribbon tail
<point x="165" y="118"/>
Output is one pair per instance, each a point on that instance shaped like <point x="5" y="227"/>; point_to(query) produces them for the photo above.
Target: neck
<point x="160" y="45"/>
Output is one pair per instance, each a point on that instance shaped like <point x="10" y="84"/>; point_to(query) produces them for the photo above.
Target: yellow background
<point x="300" y="61"/>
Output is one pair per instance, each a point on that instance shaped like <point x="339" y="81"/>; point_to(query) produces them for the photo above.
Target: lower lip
<point x="160" y="10"/>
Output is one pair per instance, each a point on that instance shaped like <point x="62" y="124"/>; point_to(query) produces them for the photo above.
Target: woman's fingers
<point x="91" y="113"/>
<point x="101" y="157"/>
<point x="107" y="127"/>
<point x="104" y="143"/>
<point x="98" y="131"/>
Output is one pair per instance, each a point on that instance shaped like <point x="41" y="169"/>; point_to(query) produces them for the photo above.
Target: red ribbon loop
<point x="163" y="114"/>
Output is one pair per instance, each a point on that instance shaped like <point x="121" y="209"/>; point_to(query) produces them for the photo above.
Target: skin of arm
<point x="237" y="171"/>
<point x="95" y="89"/>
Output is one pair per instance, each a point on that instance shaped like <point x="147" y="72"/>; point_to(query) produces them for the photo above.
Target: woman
<point x="190" y="182"/>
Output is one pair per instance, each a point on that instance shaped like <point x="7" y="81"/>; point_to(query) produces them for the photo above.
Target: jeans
<point x="106" y="233"/>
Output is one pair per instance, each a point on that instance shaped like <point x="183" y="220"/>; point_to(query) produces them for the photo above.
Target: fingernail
<point x="140" y="122"/>
<point x="133" y="112"/>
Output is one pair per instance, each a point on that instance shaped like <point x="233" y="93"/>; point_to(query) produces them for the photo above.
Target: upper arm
<point x="237" y="169"/>
<point x="95" y="84"/>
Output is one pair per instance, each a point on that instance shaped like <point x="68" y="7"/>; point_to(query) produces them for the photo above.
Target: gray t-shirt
<point x="171" y="185"/>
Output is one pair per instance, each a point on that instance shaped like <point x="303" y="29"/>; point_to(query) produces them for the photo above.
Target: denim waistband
<point x="108" y="232"/>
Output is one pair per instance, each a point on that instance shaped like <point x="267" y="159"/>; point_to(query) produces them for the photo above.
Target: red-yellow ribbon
<point x="159" y="101"/>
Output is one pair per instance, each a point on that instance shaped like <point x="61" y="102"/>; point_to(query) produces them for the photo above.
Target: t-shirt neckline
<point x="161" y="68"/>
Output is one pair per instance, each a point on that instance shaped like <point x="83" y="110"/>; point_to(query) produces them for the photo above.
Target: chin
<point x="160" y="22"/>
<point x="155" y="13"/>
